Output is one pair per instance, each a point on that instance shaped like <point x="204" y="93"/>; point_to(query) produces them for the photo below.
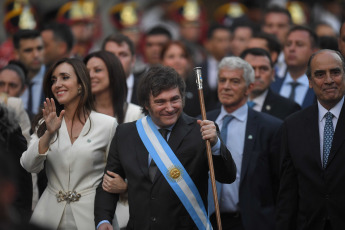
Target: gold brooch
<point x="70" y="196"/>
<point x="175" y="173"/>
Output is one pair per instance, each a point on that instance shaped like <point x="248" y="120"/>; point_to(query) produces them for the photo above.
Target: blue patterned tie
<point x="327" y="137"/>
<point x="224" y="130"/>
<point x="251" y="104"/>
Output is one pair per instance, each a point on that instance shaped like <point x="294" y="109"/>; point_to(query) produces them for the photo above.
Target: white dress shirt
<point x="259" y="101"/>
<point x="301" y="90"/>
<point x="130" y="85"/>
<point x="322" y="120"/>
<point x="229" y="195"/>
<point x="212" y="72"/>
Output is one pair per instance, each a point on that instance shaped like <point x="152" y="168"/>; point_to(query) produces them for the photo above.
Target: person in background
<point x="18" y="192"/>
<point x="70" y="143"/>
<point x="218" y="45"/>
<point x="29" y="50"/>
<point x="109" y="89"/>
<point x="12" y="85"/>
<point x="301" y="43"/>
<point x="58" y="42"/>
<point x="123" y="48"/>
<point x="242" y="31"/>
<point x="278" y="21"/>
<point x="176" y="55"/>
<point x="341" y="39"/>
<point x="155" y="39"/>
<point x="267" y="42"/>
<point x="261" y="97"/>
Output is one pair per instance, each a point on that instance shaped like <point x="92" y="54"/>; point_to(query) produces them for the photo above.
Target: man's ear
<point x="16" y="54"/>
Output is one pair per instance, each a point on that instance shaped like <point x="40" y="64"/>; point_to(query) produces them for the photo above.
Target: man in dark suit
<point x="122" y="47"/>
<point x="253" y="140"/>
<point x="218" y="46"/>
<point x="311" y="193"/>
<point x="261" y="96"/>
<point x="153" y="204"/>
<point x="301" y="43"/>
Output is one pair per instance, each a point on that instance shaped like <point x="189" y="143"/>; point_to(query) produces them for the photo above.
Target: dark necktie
<point x="224" y="130"/>
<point x="30" y="96"/>
<point x="251" y="104"/>
<point x="293" y="84"/>
<point x="153" y="166"/>
<point x="327" y="137"/>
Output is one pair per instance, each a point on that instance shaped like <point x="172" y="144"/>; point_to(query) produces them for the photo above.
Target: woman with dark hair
<point x="109" y="88"/>
<point x="71" y="142"/>
<point x="176" y="55"/>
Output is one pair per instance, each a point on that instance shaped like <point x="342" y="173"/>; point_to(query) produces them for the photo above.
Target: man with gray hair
<point x="253" y="140"/>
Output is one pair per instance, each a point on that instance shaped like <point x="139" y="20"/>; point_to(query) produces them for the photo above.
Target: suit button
<point x="153" y="219"/>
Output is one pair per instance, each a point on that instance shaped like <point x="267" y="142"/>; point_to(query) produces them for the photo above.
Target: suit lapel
<point x="312" y="134"/>
<point x="250" y="136"/>
<point x="142" y="156"/>
<point x="266" y="107"/>
<point x="339" y="136"/>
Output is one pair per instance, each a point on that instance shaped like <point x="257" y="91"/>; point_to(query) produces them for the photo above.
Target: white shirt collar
<point x="335" y="110"/>
<point x="240" y="113"/>
<point x="130" y="81"/>
<point x="303" y="80"/>
<point x="259" y="101"/>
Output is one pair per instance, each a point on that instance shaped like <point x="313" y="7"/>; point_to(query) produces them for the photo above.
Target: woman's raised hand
<point x="53" y="122"/>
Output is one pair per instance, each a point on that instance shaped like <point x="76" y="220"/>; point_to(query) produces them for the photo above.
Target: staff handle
<point x="198" y="74"/>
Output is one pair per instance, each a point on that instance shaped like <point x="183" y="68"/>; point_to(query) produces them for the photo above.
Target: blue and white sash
<point x="173" y="171"/>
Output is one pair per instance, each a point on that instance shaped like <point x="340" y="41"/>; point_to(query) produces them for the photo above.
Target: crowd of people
<point x="107" y="133"/>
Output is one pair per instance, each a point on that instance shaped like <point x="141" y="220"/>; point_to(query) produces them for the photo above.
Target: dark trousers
<point x="230" y="221"/>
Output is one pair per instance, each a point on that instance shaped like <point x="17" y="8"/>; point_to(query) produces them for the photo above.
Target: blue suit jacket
<point x="260" y="167"/>
<point x="309" y="98"/>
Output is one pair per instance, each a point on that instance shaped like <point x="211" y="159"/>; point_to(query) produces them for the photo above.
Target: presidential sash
<point x="173" y="171"/>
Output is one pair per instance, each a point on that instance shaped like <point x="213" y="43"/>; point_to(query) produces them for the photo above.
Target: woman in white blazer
<point x="71" y="142"/>
<point x="109" y="89"/>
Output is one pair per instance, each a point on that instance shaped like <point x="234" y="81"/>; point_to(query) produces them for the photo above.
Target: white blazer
<point x="78" y="167"/>
<point x="133" y="113"/>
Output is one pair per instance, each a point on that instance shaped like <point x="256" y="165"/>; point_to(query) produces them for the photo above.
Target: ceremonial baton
<point x="198" y="75"/>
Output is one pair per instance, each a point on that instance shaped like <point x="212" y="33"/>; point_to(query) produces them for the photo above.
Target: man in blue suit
<point x="300" y="44"/>
<point x="253" y="140"/>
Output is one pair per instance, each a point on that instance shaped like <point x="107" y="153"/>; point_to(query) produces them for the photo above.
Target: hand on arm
<point x="113" y="183"/>
<point x="105" y="226"/>
<point x="208" y="131"/>
<point x="53" y="123"/>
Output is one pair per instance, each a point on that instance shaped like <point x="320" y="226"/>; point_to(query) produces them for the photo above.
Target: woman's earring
<point x="79" y="90"/>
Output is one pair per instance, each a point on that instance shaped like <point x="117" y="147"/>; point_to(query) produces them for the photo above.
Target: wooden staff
<point x="198" y="74"/>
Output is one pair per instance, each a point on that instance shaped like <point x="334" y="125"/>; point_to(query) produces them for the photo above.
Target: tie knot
<point x="251" y="104"/>
<point x="164" y="133"/>
<point x="294" y="84"/>
<point x="227" y="119"/>
<point x="329" y="116"/>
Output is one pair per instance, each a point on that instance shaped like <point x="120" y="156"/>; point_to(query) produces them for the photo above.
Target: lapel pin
<point x="250" y="137"/>
<point x="268" y="107"/>
<point x="88" y="140"/>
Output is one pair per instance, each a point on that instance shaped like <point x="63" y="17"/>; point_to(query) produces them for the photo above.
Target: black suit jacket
<point x="259" y="172"/>
<point x="210" y="95"/>
<point x="154" y="205"/>
<point x="310" y="194"/>
<point x="279" y="106"/>
<point x="134" y="98"/>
